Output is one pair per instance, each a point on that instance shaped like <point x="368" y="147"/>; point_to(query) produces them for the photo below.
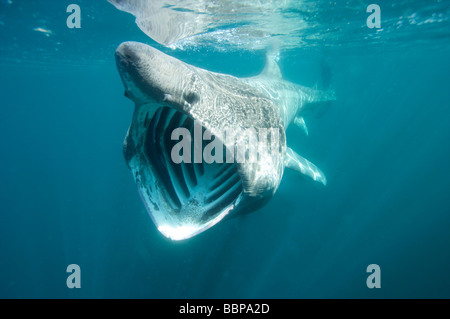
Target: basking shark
<point x="188" y="197"/>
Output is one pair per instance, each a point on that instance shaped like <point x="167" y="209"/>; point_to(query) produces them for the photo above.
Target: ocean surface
<point x="67" y="196"/>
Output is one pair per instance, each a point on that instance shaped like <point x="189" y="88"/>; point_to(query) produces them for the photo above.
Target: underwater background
<point x="67" y="196"/>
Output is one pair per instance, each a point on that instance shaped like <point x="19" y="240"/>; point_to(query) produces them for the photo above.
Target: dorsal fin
<point x="272" y="69"/>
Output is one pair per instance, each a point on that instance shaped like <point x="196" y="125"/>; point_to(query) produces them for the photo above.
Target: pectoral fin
<point x="302" y="165"/>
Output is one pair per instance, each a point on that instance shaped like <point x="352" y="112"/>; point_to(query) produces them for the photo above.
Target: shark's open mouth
<point x="186" y="198"/>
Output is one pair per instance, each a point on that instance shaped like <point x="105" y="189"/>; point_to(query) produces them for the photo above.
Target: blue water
<point x="67" y="196"/>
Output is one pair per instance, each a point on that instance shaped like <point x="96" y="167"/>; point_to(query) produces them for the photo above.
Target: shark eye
<point x="191" y="97"/>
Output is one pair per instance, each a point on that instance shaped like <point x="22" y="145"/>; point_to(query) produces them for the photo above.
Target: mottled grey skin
<point x="152" y="79"/>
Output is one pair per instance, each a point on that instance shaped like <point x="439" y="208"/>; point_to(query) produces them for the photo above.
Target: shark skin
<point x="188" y="198"/>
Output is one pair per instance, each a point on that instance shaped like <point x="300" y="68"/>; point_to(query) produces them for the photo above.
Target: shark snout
<point x="139" y="70"/>
<point x="127" y="56"/>
<point x="132" y="50"/>
<point x="133" y="56"/>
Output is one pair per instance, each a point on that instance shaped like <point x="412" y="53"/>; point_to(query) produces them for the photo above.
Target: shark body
<point x="184" y="199"/>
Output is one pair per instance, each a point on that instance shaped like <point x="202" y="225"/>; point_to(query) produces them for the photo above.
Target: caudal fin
<point x="317" y="102"/>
